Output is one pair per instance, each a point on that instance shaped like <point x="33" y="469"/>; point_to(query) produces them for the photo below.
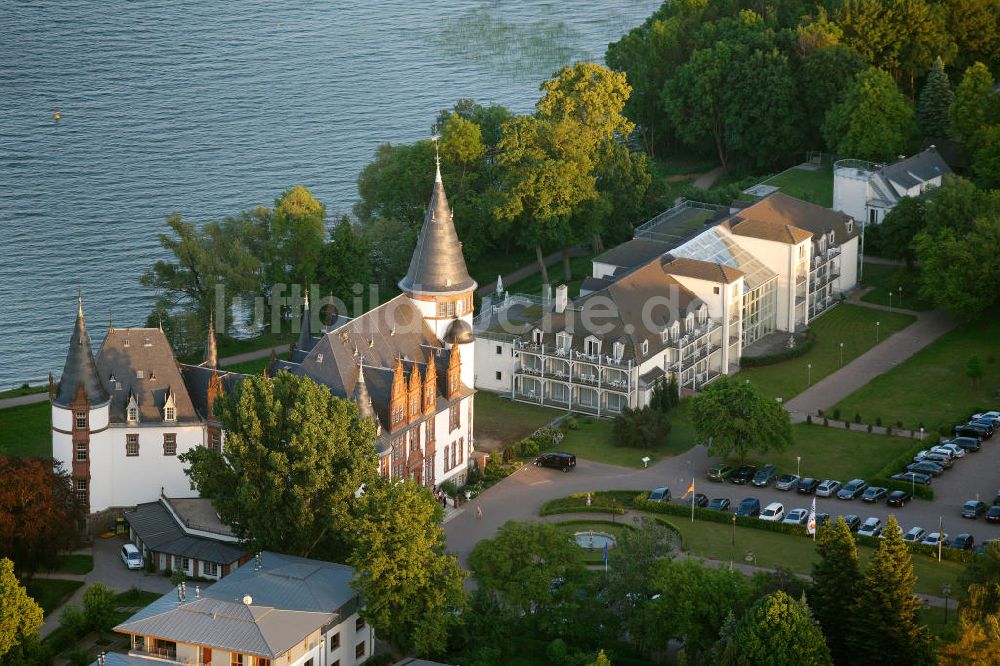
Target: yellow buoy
<point x="58" y="116"/>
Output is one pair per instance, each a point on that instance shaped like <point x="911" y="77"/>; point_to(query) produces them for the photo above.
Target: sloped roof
<point x="80" y="368"/>
<point x="197" y="378"/>
<point x="631" y="253"/>
<point x="912" y="171"/>
<point x="703" y="270"/>
<point x="158" y="530"/>
<point x="744" y="225"/>
<point x="782" y="209"/>
<point x="437" y="265"/>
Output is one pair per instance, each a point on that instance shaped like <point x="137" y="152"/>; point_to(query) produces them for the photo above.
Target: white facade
<point x="868" y="191"/>
<point x="494" y="361"/>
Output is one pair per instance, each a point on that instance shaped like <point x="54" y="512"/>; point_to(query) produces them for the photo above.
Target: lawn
<point x="26" y="430"/>
<point x="23" y="389"/>
<point x="501" y="421"/>
<point x="75" y="564"/>
<point x="815" y="186"/>
<point x="931" y="386"/>
<point x="135" y="597"/>
<point x="596" y="556"/>
<point x="797" y="554"/>
<point x="594" y="440"/>
<point x="836" y="453"/>
<point x="883" y="279"/>
<point x="532" y="285"/>
<point x="254" y="367"/>
<point x="852" y="325"/>
<point x="50" y="593"/>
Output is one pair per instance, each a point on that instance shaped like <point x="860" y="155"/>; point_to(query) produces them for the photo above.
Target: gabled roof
<point x="632" y="253"/>
<point x="158" y="530"/>
<point x="126" y="352"/>
<point x="744" y="224"/>
<point x="80" y="368"/>
<point x="702" y="270"/>
<point x="197" y="378"/>
<point x="781" y="209"/>
<point x="437" y="265"/>
<point x="915" y="170"/>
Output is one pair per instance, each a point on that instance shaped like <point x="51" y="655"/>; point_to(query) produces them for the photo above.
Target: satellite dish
<point x="247" y="599"/>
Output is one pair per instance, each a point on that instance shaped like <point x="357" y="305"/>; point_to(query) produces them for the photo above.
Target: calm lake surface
<point x="209" y="108"/>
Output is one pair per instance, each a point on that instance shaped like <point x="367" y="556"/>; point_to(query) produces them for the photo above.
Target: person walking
<point x="479" y="512"/>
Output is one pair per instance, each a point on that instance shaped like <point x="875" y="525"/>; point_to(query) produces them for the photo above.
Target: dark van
<point x="749" y="507"/>
<point x="970" y="430"/>
<point x="563" y="461"/>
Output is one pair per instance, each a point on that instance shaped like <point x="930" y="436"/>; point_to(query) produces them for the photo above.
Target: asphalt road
<point x="520" y="496"/>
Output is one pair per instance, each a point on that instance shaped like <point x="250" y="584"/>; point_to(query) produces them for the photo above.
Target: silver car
<point x="828" y="488"/>
<point x="872" y="527"/>
<point x="915" y="535"/>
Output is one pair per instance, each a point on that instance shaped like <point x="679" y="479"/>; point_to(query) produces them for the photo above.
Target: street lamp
<point x="734" y="529"/>
<point x="947" y="590"/>
<point x="798" y="465"/>
<point x="900" y="301"/>
<point x="809" y="374"/>
<point x="921" y="433"/>
<point x="877" y="324"/>
<point x="612" y="510"/>
<point x="890" y="300"/>
<point x="841" y="354"/>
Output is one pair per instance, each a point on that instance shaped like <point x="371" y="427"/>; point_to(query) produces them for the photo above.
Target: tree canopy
<point x="20" y="616"/>
<point x="779" y="631"/>
<point x="736" y="418"/>
<point x="835" y="581"/>
<point x="873" y="122"/>
<point x="293" y="458"/>
<point x="935" y="101"/>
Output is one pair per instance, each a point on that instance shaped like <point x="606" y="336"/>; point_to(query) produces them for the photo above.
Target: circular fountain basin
<point x="594" y="540"/>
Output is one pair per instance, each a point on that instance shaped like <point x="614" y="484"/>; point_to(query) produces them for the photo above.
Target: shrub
<point x="73" y="621"/>
<point x="600" y="502"/>
<point x="449" y="488"/>
<point x="836" y="415"/>
<point x="899" y="424"/>
<point x="99" y="607"/>
<point x="641" y="428"/>
<point x="847" y="424"/>
<point x="878" y="421"/>
<point x="869" y="427"/>
<point x="920" y="492"/>
<point x="819" y="412"/>
<point x="570" y="422"/>
<point x="857" y="417"/>
<point x="888" y="431"/>
<point x="826" y="422"/>
<point x="676" y="509"/>
<point x="527" y="447"/>
<point x="757" y="361"/>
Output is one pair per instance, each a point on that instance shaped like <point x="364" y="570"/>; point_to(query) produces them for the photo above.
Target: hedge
<point x="600" y="502"/>
<point x="898" y="464"/>
<point x="919" y="491"/>
<point x="770" y="359"/>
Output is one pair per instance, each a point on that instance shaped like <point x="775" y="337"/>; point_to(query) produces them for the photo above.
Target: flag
<point x="605" y="553"/>
<point x="811" y="525"/>
<point x="690" y="489"/>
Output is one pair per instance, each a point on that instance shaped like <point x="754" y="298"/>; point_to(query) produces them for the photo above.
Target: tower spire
<point x="305" y="332"/>
<point x="437" y="159"/>
<point x="80" y="370"/>
<point x="360" y="396"/>
<point x="211" y="348"/>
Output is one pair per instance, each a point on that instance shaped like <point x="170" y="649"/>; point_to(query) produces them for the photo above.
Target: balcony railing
<point x="155" y="652"/>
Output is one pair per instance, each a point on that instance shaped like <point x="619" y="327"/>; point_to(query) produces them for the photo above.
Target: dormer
<point x="454" y="372"/>
<point x="850" y="225"/>
<point x="689" y="322"/>
<point x="564" y="340"/>
<point x="665" y="335"/>
<point x="675" y="330"/>
<point x="132" y="408"/>
<point x="702" y="314"/>
<point x="645" y="347"/>
<point x="413" y="402"/>
<point x="430" y="386"/>
<point x="397" y="401"/>
<point x="170" y="407"/>
<point x="618" y="350"/>
<point x="592" y="345"/>
<point x="536" y="336"/>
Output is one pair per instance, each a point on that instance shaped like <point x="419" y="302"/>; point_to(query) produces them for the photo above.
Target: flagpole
<point x="692" y="500"/>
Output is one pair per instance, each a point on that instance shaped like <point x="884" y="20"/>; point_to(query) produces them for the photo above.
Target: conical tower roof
<point x="361" y="397"/>
<point x="80" y="368"/>
<point x="305" y="333"/>
<point x="437" y="266"/>
<point x="211" y="347"/>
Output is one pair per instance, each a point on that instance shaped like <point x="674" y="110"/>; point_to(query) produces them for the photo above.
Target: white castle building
<point x="121" y="418"/>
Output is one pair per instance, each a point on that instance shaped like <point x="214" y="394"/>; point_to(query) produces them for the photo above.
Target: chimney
<point x="100" y="659"/>
<point x="197" y="592"/>
<point x="562" y="298"/>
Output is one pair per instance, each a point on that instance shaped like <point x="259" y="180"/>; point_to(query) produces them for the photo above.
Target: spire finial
<point x="211" y="347"/>
<point x="437" y="158"/>
<point x="79" y="302"/>
<point x="111" y="325"/>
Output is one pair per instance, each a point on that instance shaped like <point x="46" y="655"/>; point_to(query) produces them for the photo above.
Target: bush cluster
<point x="546" y="437"/>
<point x="600" y="502"/>
<point x="770" y="359"/>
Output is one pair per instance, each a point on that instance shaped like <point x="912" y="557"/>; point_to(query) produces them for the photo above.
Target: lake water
<point x="209" y="108"/>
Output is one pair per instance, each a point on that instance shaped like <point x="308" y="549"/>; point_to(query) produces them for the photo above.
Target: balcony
<point x="156" y="653"/>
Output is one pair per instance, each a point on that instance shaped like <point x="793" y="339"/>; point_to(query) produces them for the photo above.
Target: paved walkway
<point x="707" y="179"/>
<point x="881" y="358"/>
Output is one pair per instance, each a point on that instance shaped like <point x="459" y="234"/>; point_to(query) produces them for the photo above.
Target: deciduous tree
<point x="835" y="581"/>
<point x="979" y="620"/>
<point x="736" y="418"/>
<point x="38" y="513"/>
<point x="780" y="631"/>
<point x="873" y="122"/>
<point x="298" y="229"/>
<point x="20" y="616"/>
<point x="413" y="590"/>
<point x="345" y="261"/>
<point x="900" y="227"/>
<point x="887" y="620"/>
<point x="293" y="458"/>
<point x="824" y="77"/>
<point x="935" y="100"/>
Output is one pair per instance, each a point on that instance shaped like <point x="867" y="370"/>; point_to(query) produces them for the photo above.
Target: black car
<point x="743" y="475"/>
<point x="898" y="498"/>
<point x="807" y="486"/>
<point x="971" y="444"/>
<point x="874" y="494"/>
<point x="764" y="476"/>
<point x="973" y="509"/>
<point x="718" y="504"/>
<point x="926" y="467"/>
<point x="700" y="500"/>
<point x="853" y="522"/>
<point x="969" y="430"/>
<point x="822" y="519"/>
<point x="913" y="477"/>
<point x="961" y="542"/>
<point x="557" y="460"/>
<point x="749" y="506"/>
<point x="986" y="423"/>
<point x="993" y="514"/>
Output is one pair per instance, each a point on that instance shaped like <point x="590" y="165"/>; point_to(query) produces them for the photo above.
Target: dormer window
<point x="146" y="342"/>
<point x="125" y="344"/>
<point x="675" y="330"/>
<point x="133" y="414"/>
<point x="169" y="414"/>
<point x="563" y="340"/>
<point x="665" y="335"/>
<point x="645" y="347"/>
<point x="536" y="336"/>
<point x="319" y="358"/>
<point x="831" y="238"/>
<point x="689" y="322"/>
<point x="593" y="346"/>
<point x="140" y="374"/>
<point x="618" y="350"/>
<point x="702" y="315"/>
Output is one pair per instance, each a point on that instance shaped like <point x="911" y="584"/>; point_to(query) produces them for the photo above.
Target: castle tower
<point x="211" y="347"/>
<point x="438" y="281"/>
<point x="80" y="409"/>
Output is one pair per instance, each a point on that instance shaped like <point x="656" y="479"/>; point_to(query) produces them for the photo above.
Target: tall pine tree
<point x="835" y="582"/>
<point x="935" y="101"/>
<point x="778" y="631"/>
<point x="887" y="628"/>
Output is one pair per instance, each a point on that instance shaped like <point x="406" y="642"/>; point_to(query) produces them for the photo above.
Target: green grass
<point x="794" y="553"/>
<point x="882" y="279"/>
<point x="813" y="186"/>
<point x="501" y="421"/>
<point x="233" y="346"/>
<point x="135" y="597"/>
<point x="853" y="325"/>
<point x="677" y="166"/>
<point x="836" y="453"/>
<point x="931" y="386"/>
<point x="594" y="440"/>
<point x="254" y="367"/>
<point x="617" y="530"/>
<point x="580" y="266"/>
<point x="933" y="617"/>
<point x="486" y="268"/>
<point x="75" y="564"/>
<point x="26" y="430"/>
<point x="50" y="593"/>
<point x="23" y="389"/>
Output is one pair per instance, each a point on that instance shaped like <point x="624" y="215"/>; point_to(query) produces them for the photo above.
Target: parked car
<point x="926" y="467"/>
<point x="661" y="494"/>
<point x="874" y="494"/>
<point x="718" y="504"/>
<point x="786" y="482"/>
<point x="940" y="459"/>
<point x="933" y="538"/>
<point x="853" y="522"/>
<point x="990" y="415"/>
<point x="913" y="477"/>
<point x="961" y="542"/>
<point x="822" y="519"/>
<point x="993" y="514"/>
<point x="898" y="498"/>
<point x="970" y="430"/>
<point x="985" y="545"/>
<point x="743" y="475"/>
<point x="557" y="460"/>
<point x="966" y="443"/>
<point x="700" y="500"/>
<point x="764" y="476"/>
<point x="996" y="500"/>
<point x="915" y="535"/>
<point x="827" y="488"/>
<point x="852" y="489"/>
<point x="954" y="450"/>
<point x="872" y="527"/>
<point x="719" y="472"/>
<point x="131" y="556"/>
<point x="774" y="512"/>
<point x="797" y="517"/>
<point x="973" y="509"/>
<point x="987" y="424"/>
<point x="749" y="506"/>
<point x="807" y="486"/>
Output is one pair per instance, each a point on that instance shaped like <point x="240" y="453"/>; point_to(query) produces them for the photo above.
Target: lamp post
<point x="612" y="510"/>
<point x="809" y="374"/>
<point x="921" y="433"/>
<point x="798" y="465"/>
<point x="841" y="354"/>
<point x="946" y="589"/>
<point x="899" y="303"/>
<point x="877" y="324"/>
<point x="890" y="300"/>
<point x="734" y="529"/>
<point x="940" y="536"/>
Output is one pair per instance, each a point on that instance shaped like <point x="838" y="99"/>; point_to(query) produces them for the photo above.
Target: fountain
<point x="592" y="540"/>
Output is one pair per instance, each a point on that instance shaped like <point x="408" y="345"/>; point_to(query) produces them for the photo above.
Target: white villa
<point x="867" y="191"/>
<point x="650" y="310"/>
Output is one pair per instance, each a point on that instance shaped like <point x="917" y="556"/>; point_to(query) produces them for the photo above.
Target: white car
<point x="131" y="556"/>
<point x="954" y="450"/>
<point x="773" y="512"/>
<point x="915" y="535"/>
<point x="871" y="528"/>
<point x="933" y="538"/>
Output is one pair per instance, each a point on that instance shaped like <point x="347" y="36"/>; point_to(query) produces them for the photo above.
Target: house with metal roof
<point x="278" y="609"/>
